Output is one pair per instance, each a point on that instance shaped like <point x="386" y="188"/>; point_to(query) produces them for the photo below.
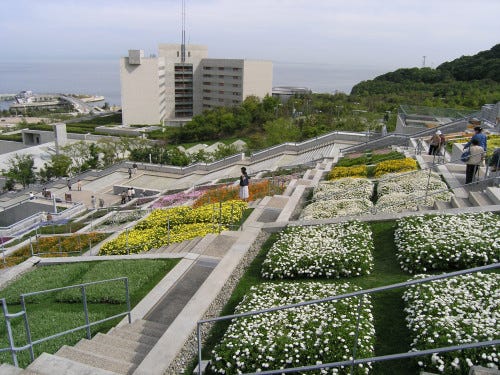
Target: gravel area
<point x="190" y="349"/>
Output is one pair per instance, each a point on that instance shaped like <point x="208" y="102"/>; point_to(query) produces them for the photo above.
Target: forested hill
<point x="469" y="81"/>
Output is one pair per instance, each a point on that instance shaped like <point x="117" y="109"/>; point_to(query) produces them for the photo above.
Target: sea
<point x="102" y="77"/>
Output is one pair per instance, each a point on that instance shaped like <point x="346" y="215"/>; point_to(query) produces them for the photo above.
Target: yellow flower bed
<point x="185" y="223"/>
<point x="354" y="171"/>
<point x="390" y="166"/>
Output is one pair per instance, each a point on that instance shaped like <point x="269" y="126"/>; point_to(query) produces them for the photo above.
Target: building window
<point x="221" y="83"/>
<point x="236" y="85"/>
<point x="221" y="68"/>
<point x="207" y="90"/>
<point x="189" y="53"/>
<point x="221" y="100"/>
<point x="207" y="83"/>
<point x="221" y="92"/>
<point x="236" y="69"/>
<point x="236" y="93"/>
<point x="206" y="98"/>
<point x="236" y="101"/>
<point x="177" y="53"/>
<point x="236" y="77"/>
<point x="221" y="76"/>
<point x="207" y="75"/>
<point x="207" y="68"/>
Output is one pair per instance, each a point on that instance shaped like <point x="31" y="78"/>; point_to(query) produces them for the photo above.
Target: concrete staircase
<point x="120" y="351"/>
<point x="489" y="197"/>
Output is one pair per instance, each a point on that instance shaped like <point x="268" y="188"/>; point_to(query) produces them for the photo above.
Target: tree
<point x="79" y="152"/>
<point x="57" y="167"/>
<point x="21" y="169"/>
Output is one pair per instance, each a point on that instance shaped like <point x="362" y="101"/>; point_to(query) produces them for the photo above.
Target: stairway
<point x="119" y="351"/>
<point x="475" y="198"/>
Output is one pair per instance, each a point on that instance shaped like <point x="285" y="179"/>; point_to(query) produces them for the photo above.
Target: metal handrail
<point x="23" y="313"/>
<point x="359" y="294"/>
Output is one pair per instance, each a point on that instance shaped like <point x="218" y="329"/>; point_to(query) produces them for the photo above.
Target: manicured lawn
<point x="57" y="311"/>
<point x="392" y="336"/>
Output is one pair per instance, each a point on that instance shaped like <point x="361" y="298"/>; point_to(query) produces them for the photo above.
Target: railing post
<point x="127" y="293"/>
<point x="9" y="332"/>
<point x="168" y="231"/>
<point x="220" y="216"/>
<point x="86" y="312"/>
<point x="356" y="333"/>
<point x="198" y="335"/>
<point x="27" y="327"/>
<point x="126" y="241"/>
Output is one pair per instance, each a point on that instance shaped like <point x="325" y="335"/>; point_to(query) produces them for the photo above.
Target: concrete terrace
<point x="161" y="339"/>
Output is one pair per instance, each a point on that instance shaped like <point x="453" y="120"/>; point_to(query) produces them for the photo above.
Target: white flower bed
<point x="402" y="202"/>
<point x="344" y="197"/>
<point x="455" y="311"/>
<point x="334" y="208"/>
<point x="333" y="250"/>
<point x="344" y="188"/>
<point x="447" y="241"/>
<point x="307" y="335"/>
<point x="407" y="190"/>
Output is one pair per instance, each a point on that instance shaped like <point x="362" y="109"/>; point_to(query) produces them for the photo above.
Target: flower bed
<point x="345" y="188"/>
<point x="343" y="197"/>
<point x="341" y="172"/>
<point x="446" y="242"/>
<point x="328" y="251"/>
<point x="390" y="166"/>
<point x="335" y="208"/>
<point x="176" y="199"/>
<point x="307" y="335"/>
<point x="400" y="192"/>
<point x="257" y="190"/>
<point x="57" y="246"/>
<point x="163" y="227"/>
<point x="455" y="311"/>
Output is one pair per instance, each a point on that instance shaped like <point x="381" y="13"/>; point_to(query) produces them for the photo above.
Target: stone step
<point x="478" y="198"/>
<point x="96" y="360"/>
<point x="192" y="244"/>
<point x="460" y="202"/>
<point x="111" y="351"/>
<point x="146" y="331"/>
<point x="493" y="193"/>
<point x="219" y="246"/>
<point x="123" y="343"/>
<point x="134" y="336"/>
<point x="149" y="324"/>
<point x="49" y="364"/>
<point x="6" y="369"/>
<point x="204" y="242"/>
<point x="441" y="205"/>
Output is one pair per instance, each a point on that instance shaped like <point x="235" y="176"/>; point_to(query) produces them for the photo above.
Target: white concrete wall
<point x="258" y="78"/>
<point x="140" y="91"/>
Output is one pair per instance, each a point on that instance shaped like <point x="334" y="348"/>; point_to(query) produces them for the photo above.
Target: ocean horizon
<point x="102" y="77"/>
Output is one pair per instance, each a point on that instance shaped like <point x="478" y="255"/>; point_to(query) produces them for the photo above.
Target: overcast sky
<point x="370" y="33"/>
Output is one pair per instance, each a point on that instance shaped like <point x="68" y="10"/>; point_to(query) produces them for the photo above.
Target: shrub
<point x="390" y="166"/>
<point x="341" y="172"/>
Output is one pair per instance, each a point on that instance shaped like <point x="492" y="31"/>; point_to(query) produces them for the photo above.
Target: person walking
<point x="135" y="167"/>
<point x="79" y="185"/>
<point x="434" y="143"/>
<point x="476" y="158"/>
<point x="93" y="202"/>
<point x="124" y="197"/>
<point x="129" y="194"/>
<point x="129" y="172"/>
<point x="244" y="192"/>
<point x="68" y="184"/>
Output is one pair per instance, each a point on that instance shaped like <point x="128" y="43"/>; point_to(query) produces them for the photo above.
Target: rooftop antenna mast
<point x="423" y="61"/>
<point x="183" y="45"/>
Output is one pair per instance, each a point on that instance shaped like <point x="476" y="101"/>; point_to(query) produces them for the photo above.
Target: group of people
<point x="127" y="195"/>
<point x="476" y="152"/>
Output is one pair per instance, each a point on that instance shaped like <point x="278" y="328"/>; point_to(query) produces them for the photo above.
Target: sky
<point x="382" y="34"/>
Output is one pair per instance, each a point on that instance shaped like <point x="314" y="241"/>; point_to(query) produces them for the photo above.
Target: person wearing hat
<point x="480" y="136"/>
<point x="435" y="143"/>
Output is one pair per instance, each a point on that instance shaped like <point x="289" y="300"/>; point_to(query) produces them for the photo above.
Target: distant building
<point x="165" y="90"/>
<point x="286" y="92"/>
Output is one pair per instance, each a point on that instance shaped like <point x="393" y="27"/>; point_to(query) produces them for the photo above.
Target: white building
<point x="166" y="90"/>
